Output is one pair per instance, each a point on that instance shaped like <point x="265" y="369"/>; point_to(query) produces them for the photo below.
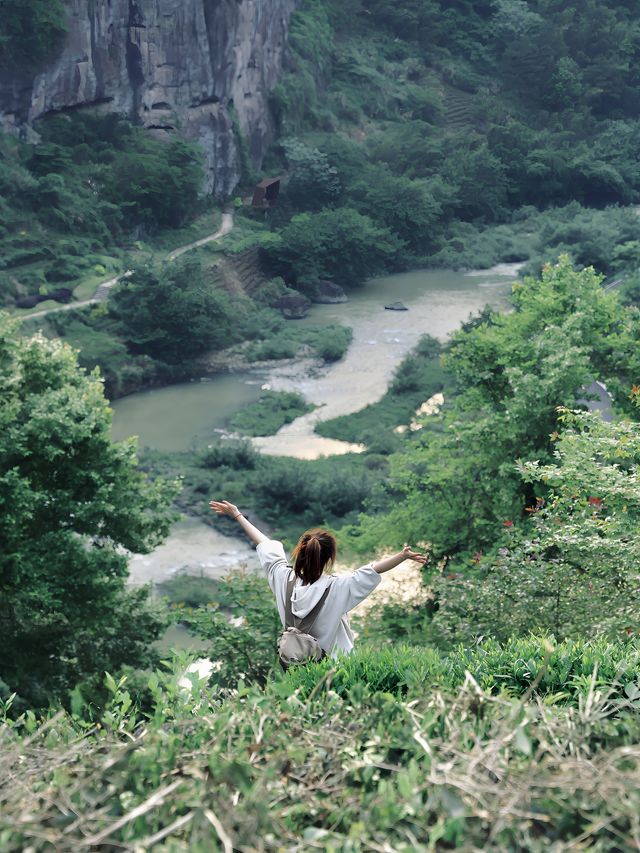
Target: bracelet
<point x="239" y="515"/>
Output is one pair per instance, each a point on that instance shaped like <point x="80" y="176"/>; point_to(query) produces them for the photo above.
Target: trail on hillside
<point x="103" y="289"/>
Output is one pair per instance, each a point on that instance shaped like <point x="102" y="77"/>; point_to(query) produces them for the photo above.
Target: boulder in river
<point x="327" y="293"/>
<point x="294" y="306"/>
<point x="396" y="306"/>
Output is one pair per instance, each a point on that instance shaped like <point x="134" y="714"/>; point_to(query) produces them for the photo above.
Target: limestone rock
<point x="294" y="306"/>
<point x="327" y="293"/>
<point x="188" y="66"/>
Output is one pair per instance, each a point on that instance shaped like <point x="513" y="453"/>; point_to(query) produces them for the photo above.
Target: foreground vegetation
<point x="426" y="133"/>
<point x="274" y="768"/>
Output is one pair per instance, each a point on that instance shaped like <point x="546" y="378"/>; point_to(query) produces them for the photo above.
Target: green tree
<point x="455" y="489"/>
<point x="341" y="244"/>
<point x="156" y="185"/>
<point x="172" y="314"/>
<point x="70" y="501"/>
<point x="406" y="207"/>
<point x="571" y="568"/>
<point x="30" y="31"/>
<point x="314" y="182"/>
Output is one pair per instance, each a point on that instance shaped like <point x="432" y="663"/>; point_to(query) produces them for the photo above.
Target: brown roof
<point x="267" y="182"/>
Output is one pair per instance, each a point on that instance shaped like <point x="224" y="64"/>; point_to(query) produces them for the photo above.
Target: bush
<point x="243" y="639"/>
<point x="334" y="344"/>
<point x="65" y="268"/>
<point x="172" y="314"/>
<point x="573" y="773"/>
<point x="231" y="454"/>
<point x="30" y="32"/>
<point x="564" y="670"/>
<point x="190" y="590"/>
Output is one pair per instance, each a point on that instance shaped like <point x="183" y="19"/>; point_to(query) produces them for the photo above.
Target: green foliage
<point x="287" y="495"/>
<point x="294" y="100"/>
<point x="341" y="245"/>
<point x="570" y="766"/>
<point x="273" y="410"/>
<point x="314" y="182"/>
<point x="190" y="590"/>
<point x="90" y="183"/>
<point x="512" y="371"/>
<point x="173" y="314"/>
<point x="243" y="636"/>
<point x="328" y="342"/>
<point x="30" y="32"/>
<point x="70" y="500"/>
<point x="451" y="114"/>
<point x="98" y="338"/>
<point x="418" y="377"/>
<point x="572" y="567"/>
<point x="155" y="186"/>
<point x="561" y="670"/>
<point x="409" y="208"/>
<point x="230" y="454"/>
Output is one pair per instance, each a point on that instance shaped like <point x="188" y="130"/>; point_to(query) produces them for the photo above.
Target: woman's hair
<point x="314" y="550"/>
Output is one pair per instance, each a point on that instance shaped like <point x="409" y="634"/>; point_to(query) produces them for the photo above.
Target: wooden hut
<point x="266" y="193"/>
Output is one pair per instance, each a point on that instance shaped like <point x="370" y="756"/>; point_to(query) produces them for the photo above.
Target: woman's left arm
<point x="226" y="508"/>
<point x="388" y="563"/>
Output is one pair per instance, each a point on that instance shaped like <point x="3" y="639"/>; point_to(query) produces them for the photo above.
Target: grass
<point x="273" y="410"/>
<point x="328" y="342"/>
<point x="560" y="672"/>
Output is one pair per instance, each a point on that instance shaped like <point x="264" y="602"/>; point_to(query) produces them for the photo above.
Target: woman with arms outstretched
<point x="314" y="553"/>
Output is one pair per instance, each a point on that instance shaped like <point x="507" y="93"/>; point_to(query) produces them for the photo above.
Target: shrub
<point x="190" y="590"/>
<point x="243" y="639"/>
<point x="230" y="453"/>
<point x="564" y="670"/>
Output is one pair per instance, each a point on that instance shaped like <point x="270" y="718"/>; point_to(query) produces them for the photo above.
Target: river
<point x="186" y="415"/>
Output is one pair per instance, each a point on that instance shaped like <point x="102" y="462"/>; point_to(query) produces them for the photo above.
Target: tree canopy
<point x="70" y="502"/>
<point x="455" y="488"/>
<point x="172" y="314"/>
<point x="30" y="31"/>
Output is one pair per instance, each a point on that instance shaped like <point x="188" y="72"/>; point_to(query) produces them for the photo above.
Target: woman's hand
<point x="225" y="508"/>
<point x="409" y="554"/>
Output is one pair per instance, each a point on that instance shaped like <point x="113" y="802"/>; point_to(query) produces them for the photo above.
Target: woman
<point x="315" y="551"/>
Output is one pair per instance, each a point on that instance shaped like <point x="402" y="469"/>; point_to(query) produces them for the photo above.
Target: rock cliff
<point x="202" y="68"/>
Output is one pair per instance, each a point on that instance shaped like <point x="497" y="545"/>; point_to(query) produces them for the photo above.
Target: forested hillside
<point x="436" y="114"/>
<point x="492" y="699"/>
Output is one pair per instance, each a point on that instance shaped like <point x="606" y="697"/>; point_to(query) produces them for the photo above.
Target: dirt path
<point x="103" y="289"/>
<point x="225" y="227"/>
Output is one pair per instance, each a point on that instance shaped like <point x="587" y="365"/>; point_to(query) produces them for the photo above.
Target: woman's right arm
<point x="226" y="508"/>
<point x="387" y="563"/>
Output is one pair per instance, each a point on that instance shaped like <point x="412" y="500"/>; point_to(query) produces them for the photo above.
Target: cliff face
<point x="174" y="65"/>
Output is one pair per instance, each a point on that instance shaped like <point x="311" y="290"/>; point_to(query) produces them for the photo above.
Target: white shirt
<point x="331" y="627"/>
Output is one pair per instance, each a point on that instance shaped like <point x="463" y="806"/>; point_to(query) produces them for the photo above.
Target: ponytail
<point x="315" y="549"/>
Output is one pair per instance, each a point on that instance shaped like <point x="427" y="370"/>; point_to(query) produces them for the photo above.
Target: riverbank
<point x="295" y="479"/>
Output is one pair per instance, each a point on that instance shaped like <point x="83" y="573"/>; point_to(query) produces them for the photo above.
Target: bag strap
<point x="306" y="623"/>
